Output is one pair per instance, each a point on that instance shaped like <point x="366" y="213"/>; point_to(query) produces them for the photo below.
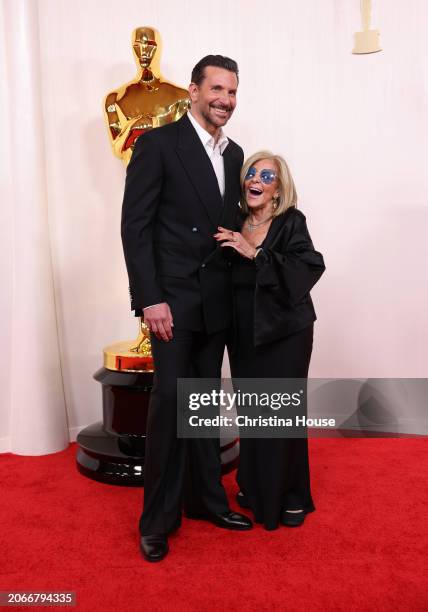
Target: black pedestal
<point x="112" y="451"/>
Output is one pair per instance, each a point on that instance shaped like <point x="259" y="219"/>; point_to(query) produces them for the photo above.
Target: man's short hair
<point x="219" y="61"/>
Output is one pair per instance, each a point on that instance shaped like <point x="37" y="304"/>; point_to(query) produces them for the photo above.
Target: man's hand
<point x="158" y="319"/>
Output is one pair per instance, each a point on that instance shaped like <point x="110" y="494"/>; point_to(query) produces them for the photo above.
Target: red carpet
<point x="365" y="548"/>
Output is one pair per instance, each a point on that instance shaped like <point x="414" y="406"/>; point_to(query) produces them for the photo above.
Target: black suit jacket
<point x="286" y="270"/>
<point x="172" y="207"/>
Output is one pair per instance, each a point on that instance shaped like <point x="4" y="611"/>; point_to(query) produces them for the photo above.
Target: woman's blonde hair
<point x="287" y="190"/>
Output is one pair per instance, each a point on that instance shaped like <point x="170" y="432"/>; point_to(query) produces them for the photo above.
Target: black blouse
<point x="284" y="271"/>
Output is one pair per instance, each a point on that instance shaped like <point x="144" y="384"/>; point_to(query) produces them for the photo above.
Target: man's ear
<point x="193" y="92"/>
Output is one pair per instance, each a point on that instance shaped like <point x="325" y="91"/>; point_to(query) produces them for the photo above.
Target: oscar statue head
<point x="144" y="44"/>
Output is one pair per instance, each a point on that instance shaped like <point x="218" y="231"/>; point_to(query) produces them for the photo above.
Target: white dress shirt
<point x="214" y="150"/>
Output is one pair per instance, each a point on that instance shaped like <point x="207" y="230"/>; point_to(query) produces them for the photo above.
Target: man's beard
<point x="209" y="119"/>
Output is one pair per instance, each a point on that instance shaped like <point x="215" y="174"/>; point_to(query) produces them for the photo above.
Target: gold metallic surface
<point x="146" y="102"/>
<point x="142" y="343"/>
<point x="366" y="41"/>
<point x="118" y="357"/>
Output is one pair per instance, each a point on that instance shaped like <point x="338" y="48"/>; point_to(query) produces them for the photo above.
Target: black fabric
<point x="273" y="473"/>
<point x="189" y="354"/>
<point x="286" y="270"/>
<point x="273" y="338"/>
<point x="172" y="207"/>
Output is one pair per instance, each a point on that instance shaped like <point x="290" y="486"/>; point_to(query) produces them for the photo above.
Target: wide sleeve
<point x="140" y="205"/>
<point x="292" y="265"/>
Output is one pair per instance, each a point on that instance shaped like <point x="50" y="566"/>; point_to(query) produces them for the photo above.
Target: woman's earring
<point x="275" y="202"/>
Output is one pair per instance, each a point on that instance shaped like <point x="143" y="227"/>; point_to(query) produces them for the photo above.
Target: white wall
<point x="354" y="129"/>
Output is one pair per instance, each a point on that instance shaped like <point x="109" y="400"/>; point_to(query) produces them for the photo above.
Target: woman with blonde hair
<point x="274" y="268"/>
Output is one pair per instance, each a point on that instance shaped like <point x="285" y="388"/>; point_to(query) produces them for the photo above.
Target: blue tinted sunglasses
<point x="266" y="176"/>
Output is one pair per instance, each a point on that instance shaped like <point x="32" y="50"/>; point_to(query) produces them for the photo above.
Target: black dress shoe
<point x="154" y="547"/>
<point x="292" y="519"/>
<point x="226" y="520"/>
<point x="242" y="500"/>
<point x="175" y="527"/>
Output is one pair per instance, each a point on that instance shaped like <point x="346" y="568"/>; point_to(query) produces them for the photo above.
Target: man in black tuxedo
<point x="182" y="183"/>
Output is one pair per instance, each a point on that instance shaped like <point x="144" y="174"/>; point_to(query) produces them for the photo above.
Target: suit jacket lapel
<point x="199" y="169"/>
<point x="232" y="189"/>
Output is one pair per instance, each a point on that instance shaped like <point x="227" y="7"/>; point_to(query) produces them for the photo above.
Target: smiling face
<point x="261" y="184"/>
<point x="214" y="100"/>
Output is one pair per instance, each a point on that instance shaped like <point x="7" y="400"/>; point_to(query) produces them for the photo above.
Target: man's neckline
<point x="204" y="135"/>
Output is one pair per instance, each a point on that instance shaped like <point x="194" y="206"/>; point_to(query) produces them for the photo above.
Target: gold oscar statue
<point x="366" y="41"/>
<point x="146" y="102"/>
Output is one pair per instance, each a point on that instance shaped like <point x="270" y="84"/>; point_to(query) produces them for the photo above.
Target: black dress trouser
<point x="188" y="354"/>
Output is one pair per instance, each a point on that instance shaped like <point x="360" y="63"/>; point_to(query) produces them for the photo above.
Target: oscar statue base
<point x="112" y="451"/>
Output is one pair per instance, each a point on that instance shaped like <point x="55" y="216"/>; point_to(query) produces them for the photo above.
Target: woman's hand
<point x="236" y="241"/>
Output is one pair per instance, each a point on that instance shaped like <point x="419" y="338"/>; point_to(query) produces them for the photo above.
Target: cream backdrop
<point x="354" y="129"/>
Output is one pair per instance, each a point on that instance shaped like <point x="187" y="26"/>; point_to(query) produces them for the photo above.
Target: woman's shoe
<point x="292" y="519"/>
<point x="242" y="500"/>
